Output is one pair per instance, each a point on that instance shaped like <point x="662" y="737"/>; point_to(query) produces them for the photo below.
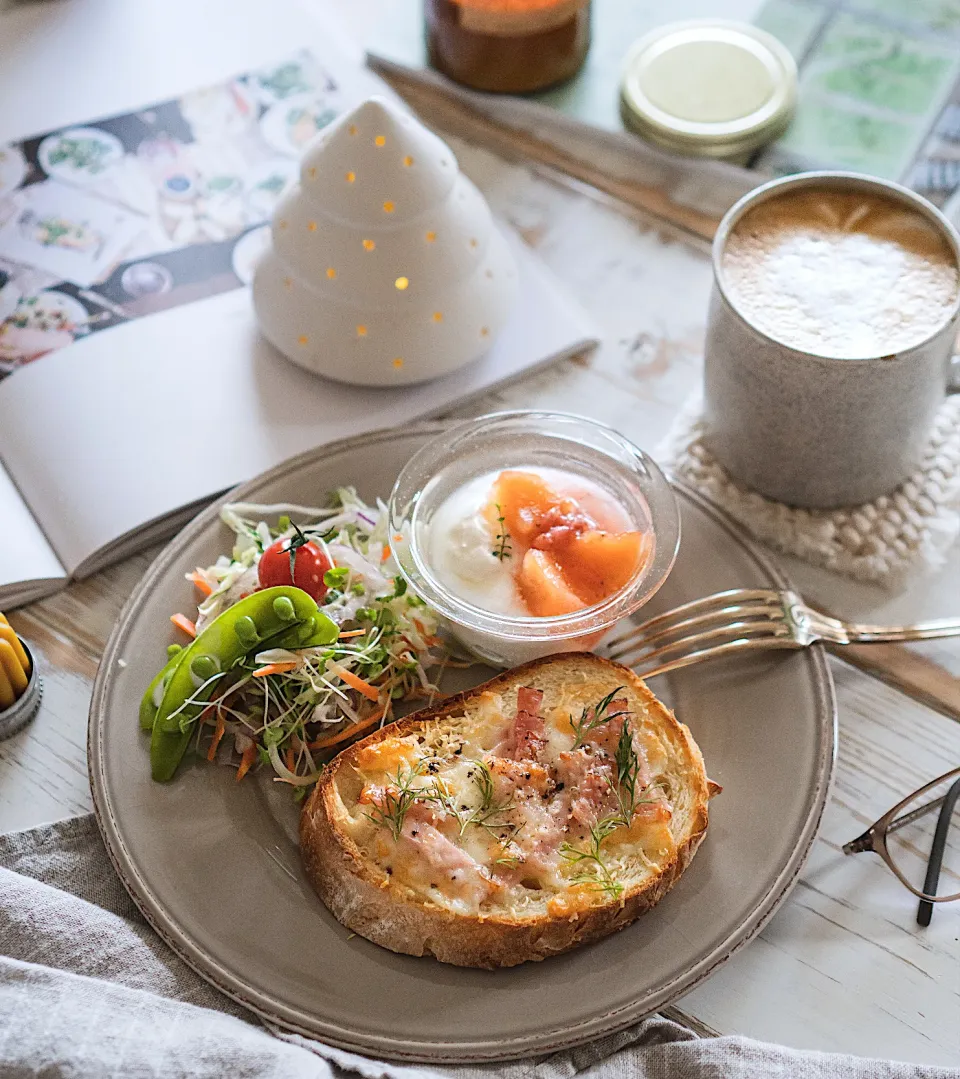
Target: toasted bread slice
<point x="549" y="807"/>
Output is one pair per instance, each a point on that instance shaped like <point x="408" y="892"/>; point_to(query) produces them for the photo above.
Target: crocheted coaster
<point x="905" y="532"/>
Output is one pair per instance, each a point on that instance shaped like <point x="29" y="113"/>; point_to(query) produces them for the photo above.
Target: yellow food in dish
<point x="14" y="665"/>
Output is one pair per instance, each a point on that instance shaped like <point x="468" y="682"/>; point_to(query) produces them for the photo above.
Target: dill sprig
<point x="487" y="813"/>
<point x="401" y="793"/>
<point x="503" y="549"/>
<point x="625" y="788"/>
<point x="437" y="793"/>
<point x="628" y="771"/>
<point x="483" y="777"/>
<point x="592" y="718"/>
<point x="593" y="870"/>
<point x="398" y="797"/>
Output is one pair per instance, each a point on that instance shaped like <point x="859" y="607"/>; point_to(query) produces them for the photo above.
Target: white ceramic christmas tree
<point x="385" y="267"/>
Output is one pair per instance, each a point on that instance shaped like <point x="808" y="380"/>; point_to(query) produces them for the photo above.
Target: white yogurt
<point x="461" y="549"/>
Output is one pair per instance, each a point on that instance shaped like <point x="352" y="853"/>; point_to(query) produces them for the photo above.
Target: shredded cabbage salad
<point x="319" y="698"/>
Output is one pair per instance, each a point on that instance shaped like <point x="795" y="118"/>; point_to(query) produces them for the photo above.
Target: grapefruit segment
<point x="562" y="561"/>
<point x="543" y="588"/>
<point x="597" y="564"/>
<point x="524" y="499"/>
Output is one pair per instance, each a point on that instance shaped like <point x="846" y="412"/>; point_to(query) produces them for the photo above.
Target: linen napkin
<point x="884" y="541"/>
<point x="87" y="990"/>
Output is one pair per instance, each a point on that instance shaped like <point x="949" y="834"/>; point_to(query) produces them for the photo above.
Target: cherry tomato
<point x="309" y="566"/>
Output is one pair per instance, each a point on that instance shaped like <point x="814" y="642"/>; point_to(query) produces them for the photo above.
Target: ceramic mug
<point x="810" y="430"/>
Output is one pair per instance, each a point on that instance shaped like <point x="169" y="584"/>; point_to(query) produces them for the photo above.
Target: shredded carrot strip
<point x="246" y="761"/>
<point x="351" y="633"/>
<point x="342" y="736"/>
<point x="204" y="586"/>
<point x="275" y="668"/>
<point x="182" y="622"/>
<point x="288" y="759"/>
<point x="352" y="680"/>
<point x="217" y="735"/>
<point x="385" y="553"/>
<point x="428" y="638"/>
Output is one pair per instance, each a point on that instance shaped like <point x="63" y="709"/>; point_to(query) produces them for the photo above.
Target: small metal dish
<point x="19" y="714"/>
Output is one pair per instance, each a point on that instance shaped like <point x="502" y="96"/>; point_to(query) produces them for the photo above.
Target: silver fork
<point x="744" y="620"/>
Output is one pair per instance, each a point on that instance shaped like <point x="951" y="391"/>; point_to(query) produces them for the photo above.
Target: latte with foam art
<point x="843" y="275"/>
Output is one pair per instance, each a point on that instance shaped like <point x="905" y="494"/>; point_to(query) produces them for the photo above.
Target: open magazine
<point x="134" y="384"/>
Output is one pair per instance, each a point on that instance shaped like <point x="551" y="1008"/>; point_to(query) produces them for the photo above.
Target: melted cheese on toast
<point x="528" y="800"/>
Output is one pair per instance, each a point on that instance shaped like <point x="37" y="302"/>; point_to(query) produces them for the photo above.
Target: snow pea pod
<point x="283" y="617"/>
<point x="151" y="699"/>
<point x="295" y="637"/>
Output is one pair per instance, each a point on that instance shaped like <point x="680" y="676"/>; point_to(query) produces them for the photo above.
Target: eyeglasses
<point x="918" y="846"/>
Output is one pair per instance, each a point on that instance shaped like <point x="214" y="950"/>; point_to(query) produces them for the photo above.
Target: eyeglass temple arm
<point x="925" y="909"/>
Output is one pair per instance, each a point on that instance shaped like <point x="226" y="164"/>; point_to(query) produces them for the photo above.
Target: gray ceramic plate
<point x="214" y="866"/>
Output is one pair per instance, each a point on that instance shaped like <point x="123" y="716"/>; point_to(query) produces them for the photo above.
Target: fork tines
<point x="732" y="621"/>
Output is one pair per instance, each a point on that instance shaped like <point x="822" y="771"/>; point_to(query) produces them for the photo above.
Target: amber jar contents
<point x="508" y="46"/>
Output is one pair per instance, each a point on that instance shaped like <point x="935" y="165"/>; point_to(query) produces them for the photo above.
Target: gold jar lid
<point x="708" y="86"/>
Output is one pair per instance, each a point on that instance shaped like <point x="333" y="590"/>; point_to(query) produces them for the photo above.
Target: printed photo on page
<point x="118" y="218"/>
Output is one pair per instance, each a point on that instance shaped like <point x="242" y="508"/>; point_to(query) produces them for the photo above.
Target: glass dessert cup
<point x="524" y="441"/>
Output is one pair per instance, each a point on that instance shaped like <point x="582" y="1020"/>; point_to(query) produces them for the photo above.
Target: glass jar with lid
<point x="508" y="46"/>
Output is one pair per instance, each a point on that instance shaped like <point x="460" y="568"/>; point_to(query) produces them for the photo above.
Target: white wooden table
<point x="843" y="965"/>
